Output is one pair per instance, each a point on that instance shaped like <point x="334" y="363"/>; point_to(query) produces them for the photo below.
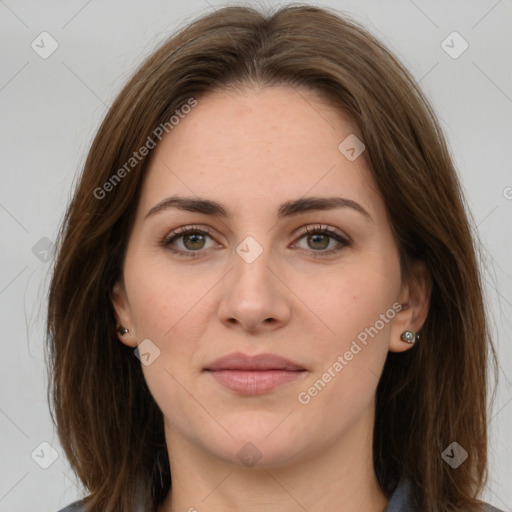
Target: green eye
<point x="196" y="241"/>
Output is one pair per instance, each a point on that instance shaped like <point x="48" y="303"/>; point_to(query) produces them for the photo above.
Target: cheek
<point x="355" y="304"/>
<point x="350" y="298"/>
<point x="167" y="309"/>
<point x="162" y="298"/>
<point x="171" y="308"/>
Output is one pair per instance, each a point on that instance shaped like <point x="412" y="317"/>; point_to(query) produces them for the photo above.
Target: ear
<point x="123" y="315"/>
<point x="414" y="298"/>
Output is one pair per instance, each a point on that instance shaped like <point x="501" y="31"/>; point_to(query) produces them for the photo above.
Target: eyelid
<point x="314" y="228"/>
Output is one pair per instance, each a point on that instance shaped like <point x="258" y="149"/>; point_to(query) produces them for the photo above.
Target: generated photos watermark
<point x="144" y="150"/>
<point x="305" y="397"/>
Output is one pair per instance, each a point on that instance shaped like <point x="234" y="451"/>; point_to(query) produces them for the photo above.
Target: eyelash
<point x="180" y="232"/>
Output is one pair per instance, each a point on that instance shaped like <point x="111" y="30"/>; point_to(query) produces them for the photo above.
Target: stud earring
<point x="123" y="330"/>
<point x="409" y="336"/>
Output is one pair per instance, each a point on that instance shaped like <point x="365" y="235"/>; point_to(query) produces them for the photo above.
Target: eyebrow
<point x="287" y="209"/>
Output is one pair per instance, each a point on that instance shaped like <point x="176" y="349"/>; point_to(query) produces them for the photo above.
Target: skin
<point x="251" y="152"/>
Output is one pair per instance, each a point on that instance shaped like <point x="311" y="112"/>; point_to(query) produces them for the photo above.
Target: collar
<point x="402" y="498"/>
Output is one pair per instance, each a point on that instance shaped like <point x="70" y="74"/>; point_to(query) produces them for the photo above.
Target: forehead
<point x="273" y="143"/>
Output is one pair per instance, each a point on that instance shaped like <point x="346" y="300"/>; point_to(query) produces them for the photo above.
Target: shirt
<point x="400" y="501"/>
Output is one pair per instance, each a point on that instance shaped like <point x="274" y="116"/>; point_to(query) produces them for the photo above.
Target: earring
<point x="409" y="336"/>
<point x="123" y="330"/>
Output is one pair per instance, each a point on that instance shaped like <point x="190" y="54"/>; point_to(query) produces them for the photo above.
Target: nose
<point x="254" y="298"/>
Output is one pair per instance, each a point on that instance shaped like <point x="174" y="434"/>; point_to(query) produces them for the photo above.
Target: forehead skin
<point x="261" y="147"/>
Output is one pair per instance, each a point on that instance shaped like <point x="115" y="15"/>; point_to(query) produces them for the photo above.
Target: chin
<point x="264" y="445"/>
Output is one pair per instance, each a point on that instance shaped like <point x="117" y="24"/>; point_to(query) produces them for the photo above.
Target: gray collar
<point x="402" y="499"/>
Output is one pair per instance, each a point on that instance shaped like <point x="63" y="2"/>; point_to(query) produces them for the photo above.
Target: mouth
<point x="254" y="375"/>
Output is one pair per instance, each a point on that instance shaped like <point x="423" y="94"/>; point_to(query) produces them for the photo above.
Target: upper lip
<point x="240" y="361"/>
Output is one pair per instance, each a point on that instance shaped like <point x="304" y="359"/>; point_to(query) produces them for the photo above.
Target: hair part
<point x="108" y="423"/>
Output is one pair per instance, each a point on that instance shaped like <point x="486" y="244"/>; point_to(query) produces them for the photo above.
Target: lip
<point x="254" y="375"/>
<point x="240" y="361"/>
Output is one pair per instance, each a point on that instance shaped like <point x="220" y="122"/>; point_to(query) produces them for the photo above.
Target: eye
<point x="192" y="241"/>
<point x="188" y="241"/>
<point x="323" y="241"/>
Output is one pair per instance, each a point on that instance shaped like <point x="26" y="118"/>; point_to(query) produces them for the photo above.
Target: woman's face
<point x="265" y="270"/>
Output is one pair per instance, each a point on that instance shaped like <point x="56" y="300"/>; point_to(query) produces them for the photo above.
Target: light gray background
<point x="51" y="108"/>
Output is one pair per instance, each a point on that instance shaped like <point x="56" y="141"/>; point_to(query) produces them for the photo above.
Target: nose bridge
<point x="251" y="275"/>
<point x="253" y="297"/>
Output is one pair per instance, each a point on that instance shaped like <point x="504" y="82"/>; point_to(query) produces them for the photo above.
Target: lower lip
<point x="254" y="382"/>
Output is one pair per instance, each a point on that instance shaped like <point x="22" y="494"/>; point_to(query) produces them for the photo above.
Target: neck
<point x="340" y="478"/>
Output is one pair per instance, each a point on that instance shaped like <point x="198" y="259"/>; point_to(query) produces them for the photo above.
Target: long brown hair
<point x="108" y="423"/>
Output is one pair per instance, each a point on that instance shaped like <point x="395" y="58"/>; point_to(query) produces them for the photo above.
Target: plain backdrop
<point x="51" y="108"/>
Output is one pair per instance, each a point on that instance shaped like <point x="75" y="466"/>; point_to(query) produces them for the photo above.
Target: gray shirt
<point x="400" y="501"/>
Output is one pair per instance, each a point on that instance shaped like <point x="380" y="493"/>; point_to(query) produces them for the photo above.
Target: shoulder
<point x="77" y="506"/>
<point x="490" y="508"/>
<point x="402" y="500"/>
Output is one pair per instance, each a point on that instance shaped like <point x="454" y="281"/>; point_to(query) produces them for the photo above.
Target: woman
<point x="266" y="291"/>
